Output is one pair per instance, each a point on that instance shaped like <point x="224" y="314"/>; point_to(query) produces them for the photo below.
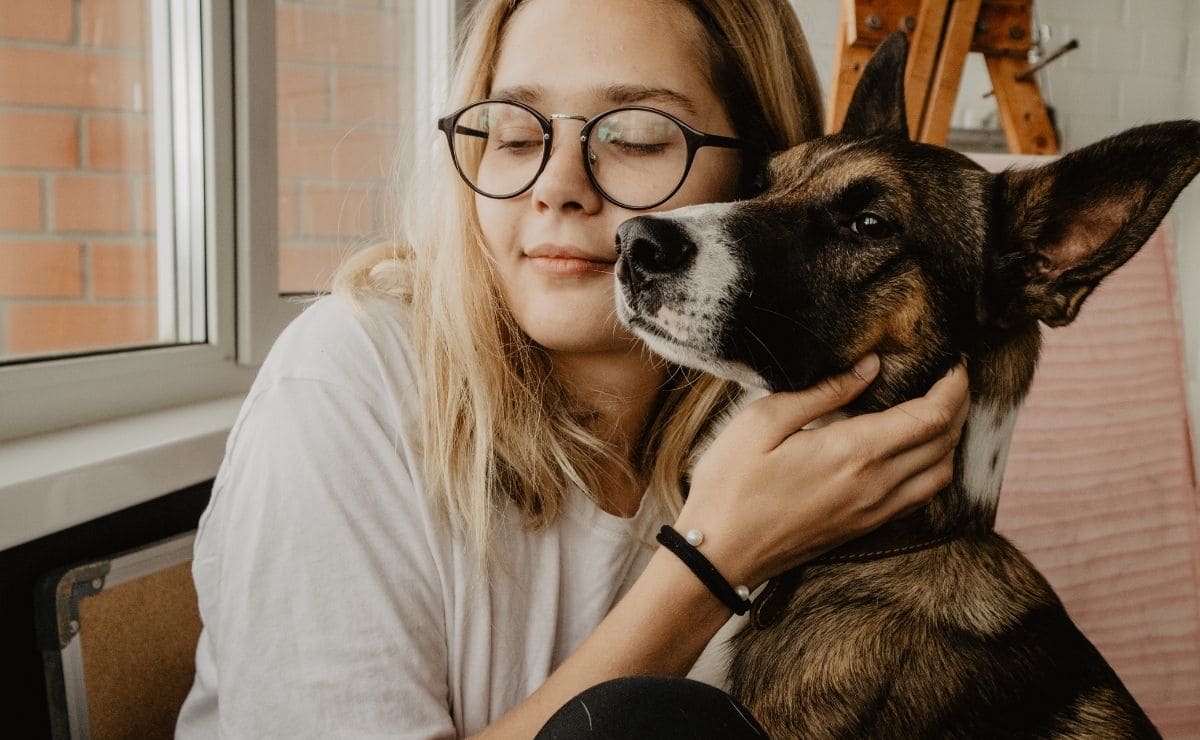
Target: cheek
<point x="498" y="223"/>
<point x="714" y="178"/>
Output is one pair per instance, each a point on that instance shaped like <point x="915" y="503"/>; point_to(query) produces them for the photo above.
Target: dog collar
<point x="778" y="592"/>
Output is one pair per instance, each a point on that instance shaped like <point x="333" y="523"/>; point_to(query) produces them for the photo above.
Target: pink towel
<point x="1100" y="491"/>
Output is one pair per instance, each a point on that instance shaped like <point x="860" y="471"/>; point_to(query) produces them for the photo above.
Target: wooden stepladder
<point x="941" y="33"/>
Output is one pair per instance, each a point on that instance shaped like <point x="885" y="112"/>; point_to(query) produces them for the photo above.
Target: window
<point x="152" y="241"/>
<point x="98" y="122"/>
<point x="345" y="107"/>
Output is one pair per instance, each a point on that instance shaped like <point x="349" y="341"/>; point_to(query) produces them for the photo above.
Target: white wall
<point x="1138" y="62"/>
<point x="1187" y="213"/>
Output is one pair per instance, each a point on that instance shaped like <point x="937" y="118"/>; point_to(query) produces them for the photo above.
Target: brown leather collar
<point x="778" y="592"/>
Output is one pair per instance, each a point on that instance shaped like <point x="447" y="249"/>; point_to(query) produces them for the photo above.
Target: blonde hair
<point x="497" y="429"/>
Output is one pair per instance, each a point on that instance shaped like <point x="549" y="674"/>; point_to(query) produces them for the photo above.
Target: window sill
<point x="53" y="481"/>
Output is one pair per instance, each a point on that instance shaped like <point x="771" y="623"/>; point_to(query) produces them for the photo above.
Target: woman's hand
<point x="768" y="495"/>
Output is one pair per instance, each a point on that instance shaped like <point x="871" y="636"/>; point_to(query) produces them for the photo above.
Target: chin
<point x="574" y="325"/>
<point x="582" y="340"/>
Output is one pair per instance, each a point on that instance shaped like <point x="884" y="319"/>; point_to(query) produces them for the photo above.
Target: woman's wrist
<point x="686" y="548"/>
<point x="736" y="561"/>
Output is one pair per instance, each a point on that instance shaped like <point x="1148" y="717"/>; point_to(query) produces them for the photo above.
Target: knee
<point x="651" y="706"/>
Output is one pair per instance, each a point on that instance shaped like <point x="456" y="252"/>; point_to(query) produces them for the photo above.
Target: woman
<point x="437" y="510"/>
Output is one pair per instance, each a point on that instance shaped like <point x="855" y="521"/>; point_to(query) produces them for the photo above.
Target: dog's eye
<point x="872" y="226"/>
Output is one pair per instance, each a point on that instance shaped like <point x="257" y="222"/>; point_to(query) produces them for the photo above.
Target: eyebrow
<point x="616" y="94"/>
<point x="627" y="94"/>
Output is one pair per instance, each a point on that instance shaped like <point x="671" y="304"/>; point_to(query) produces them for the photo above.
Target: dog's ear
<point x="1066" y="225"/>
<point x="877" y="106"/>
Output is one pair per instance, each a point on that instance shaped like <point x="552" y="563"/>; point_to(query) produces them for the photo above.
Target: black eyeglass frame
<point x="694" y="138"/>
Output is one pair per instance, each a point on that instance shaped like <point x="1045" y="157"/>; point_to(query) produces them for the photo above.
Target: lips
<point x="567" y="261"/>
<point x="567" y="252"/>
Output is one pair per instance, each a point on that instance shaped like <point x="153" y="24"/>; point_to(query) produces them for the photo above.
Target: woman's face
<point x="553" y="246"/>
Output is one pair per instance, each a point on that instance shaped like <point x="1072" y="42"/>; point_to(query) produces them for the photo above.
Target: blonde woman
<point x="437" y="510"/>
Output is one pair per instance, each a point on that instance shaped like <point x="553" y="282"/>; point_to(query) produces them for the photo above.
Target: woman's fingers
<point x="872" y="456"/>
<point x="915" y="492"/>
<point x="774" y="418"/>
<point x="768" y="497"/>
<point x="939" y="412"/>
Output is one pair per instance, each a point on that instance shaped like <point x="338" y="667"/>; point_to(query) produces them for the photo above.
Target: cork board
<point x="138" y="641"/>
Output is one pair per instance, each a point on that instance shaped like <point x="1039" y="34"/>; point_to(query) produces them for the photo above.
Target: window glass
<point x="81" y="176"/>
<point x="345" y="91"/>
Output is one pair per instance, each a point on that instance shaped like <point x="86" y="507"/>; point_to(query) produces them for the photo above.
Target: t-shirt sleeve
<point x="320" y="588"/>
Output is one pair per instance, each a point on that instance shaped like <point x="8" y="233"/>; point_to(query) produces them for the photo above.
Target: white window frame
<point x="262" y="311"/>
<point x="40" y="396"/>
<point x="81" y="437"/>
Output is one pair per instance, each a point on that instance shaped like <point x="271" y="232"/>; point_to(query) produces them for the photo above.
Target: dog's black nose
<point x="654" y="246"/>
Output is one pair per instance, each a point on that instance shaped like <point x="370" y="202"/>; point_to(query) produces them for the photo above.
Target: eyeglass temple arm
<point x="470" y="131"/>
<point x="721" y="141"/>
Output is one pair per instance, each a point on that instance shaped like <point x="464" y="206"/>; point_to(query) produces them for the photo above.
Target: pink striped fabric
<point x="1100" y="491"/>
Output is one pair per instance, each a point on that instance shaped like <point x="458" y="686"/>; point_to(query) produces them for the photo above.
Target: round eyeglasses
<point x="636" y="157"/>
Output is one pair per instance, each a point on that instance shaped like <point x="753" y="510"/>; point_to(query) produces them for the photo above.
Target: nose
<point x="654" y="247"/>
<point x="564" y="184"/>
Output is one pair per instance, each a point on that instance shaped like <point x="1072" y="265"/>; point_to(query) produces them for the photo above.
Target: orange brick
<point x="39" y="328"/>
<point x="306" y="34"/>
<point x="114" y="23"/>
<point x="123" y="271"/>
<point x="345" y="212"/>
<point x="20" y="203"/>
<point x="372" y="97"/>
<point x="120" y="143"/>
<point x="41" y="270"/>
<point x="37" y="20"/>
<point x="307" y="269"/>
<point x="336" y="152"/>
<point x="146" y="213"/>
<point x="303" y="93"/>
<point x="92" y="203"/>
<point x="42" y="140"/>
<point x="289" y="209"/>
<point x="73" y="79"/>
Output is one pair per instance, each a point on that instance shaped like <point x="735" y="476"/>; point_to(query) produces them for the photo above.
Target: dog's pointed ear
<point x="877" y="106"/>
<point x="1068" y="224"/>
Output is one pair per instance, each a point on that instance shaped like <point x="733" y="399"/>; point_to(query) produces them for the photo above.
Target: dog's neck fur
<point x="1000" y="377"/>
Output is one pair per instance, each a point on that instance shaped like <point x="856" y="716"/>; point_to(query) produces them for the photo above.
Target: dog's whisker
<point x="774" y="359"/>
<point x="803" y="327"/>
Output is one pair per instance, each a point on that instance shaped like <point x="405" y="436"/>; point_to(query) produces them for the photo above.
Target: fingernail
<point x="866" y="366"/>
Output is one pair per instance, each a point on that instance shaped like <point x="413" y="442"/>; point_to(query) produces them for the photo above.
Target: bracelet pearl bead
<point x="694" y="537"/>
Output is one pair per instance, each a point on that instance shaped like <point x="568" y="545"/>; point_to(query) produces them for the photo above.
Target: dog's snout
<point x="654" y="246"/>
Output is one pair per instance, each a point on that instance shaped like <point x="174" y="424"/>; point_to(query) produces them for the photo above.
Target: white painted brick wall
<point x="1187" y="213"/>
<point x="819" y="19"/>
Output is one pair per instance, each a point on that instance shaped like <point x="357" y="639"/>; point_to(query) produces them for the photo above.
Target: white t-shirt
<point x="335" y="604"/>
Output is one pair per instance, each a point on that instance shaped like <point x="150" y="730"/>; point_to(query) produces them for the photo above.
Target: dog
<point x="933" y="625"/>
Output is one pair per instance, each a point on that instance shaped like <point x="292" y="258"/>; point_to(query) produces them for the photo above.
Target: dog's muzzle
<point x="652" y="249"/>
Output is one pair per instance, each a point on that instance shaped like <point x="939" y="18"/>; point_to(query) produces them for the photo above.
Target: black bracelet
<point x="704" y="570"/>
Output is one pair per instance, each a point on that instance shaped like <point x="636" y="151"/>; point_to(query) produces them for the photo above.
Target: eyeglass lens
<point x="636" y="157"/>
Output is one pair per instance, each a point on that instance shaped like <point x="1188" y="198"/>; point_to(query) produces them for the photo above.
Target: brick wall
<point x="345" y="90"/>
<point x="77" y="247"/>
<point x="76" y="192"/>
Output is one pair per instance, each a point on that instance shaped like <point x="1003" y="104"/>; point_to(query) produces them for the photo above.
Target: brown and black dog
<point x="933" y="626"/>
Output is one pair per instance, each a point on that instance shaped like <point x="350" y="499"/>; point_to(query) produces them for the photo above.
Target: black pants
<point x="651" y="707"/>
